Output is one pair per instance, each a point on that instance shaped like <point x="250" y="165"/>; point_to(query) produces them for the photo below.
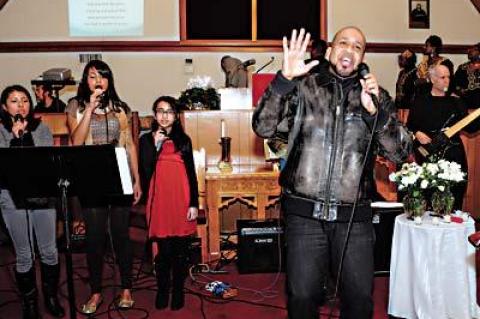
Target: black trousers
<point x="96" y="220"/>
<point x="313" y="249"/>
<point x="173" y="254"/>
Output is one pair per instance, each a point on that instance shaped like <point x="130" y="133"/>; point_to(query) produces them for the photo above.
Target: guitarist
<point x="436" y="111"/>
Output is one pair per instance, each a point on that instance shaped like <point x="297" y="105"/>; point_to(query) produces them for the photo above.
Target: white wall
<point x="141" y="77"/>
<point x="456" y="21"/>
<point x="47" y="20"/>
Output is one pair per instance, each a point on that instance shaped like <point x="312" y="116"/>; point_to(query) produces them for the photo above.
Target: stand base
<point x="225" y="167"/>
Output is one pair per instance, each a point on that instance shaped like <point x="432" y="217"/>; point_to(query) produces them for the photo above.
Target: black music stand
<point x="85" y="171"/>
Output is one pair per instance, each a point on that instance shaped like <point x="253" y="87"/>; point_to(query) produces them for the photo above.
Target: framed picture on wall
<point x="419" y="14"/>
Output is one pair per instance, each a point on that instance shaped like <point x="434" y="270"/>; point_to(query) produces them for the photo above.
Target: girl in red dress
<point x="168" y="171"/>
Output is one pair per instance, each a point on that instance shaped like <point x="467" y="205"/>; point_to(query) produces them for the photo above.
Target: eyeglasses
<point x="165" y="112"/>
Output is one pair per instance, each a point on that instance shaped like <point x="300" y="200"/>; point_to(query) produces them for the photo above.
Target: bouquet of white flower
<point x="200" y="94"/>
<point x="413" y="177"/>
<point x="445" y="174"/>
<point x="418" y="182"/>
<point x="202" y="82"/>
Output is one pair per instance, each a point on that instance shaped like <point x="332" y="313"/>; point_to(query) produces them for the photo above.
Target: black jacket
<point x="148" y="160"/>
<point x="326" y="151"/>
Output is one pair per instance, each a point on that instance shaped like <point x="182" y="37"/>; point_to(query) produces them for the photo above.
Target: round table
<point x="432" y="270"/>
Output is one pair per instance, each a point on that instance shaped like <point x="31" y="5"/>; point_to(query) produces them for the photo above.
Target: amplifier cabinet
<point x="260" y="246"/>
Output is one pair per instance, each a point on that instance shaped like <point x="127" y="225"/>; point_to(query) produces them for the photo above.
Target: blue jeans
<point x="313" y="249"/>
<point x="41" y="227"/>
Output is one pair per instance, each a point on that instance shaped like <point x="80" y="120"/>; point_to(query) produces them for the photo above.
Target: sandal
<point x="123" y="303"/>
<point x="91" y="307"/>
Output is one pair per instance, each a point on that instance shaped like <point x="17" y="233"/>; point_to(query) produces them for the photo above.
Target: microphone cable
<point x="105" y="112"/>
<point x="114" y="255"/>
<point x="352" y="215"/>
<point x="112" y="305"/>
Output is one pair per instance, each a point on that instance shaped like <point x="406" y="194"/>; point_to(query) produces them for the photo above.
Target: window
<point x="277" y="18"/>
<point x="219" y="19"/>
<point x="250" y="20"/>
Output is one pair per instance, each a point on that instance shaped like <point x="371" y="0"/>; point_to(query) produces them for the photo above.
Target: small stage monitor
<point x="260" y="246"/>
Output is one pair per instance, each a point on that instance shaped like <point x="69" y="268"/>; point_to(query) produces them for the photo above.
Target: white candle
<point x="447" y="218"/>
<point x="223" y="129"/>
<point x="435" y="220"/>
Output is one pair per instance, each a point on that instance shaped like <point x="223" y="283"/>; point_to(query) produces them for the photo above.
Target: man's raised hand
<point x="293" y="55"/>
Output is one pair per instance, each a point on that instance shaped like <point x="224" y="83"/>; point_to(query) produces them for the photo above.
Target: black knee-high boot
<point x="50" y="278"/>
<point x="27" y="285"/>
<point x="179" y="272"/>
<point x="163" y="263"/>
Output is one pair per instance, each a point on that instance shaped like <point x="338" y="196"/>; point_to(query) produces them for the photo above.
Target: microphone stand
<point x="63" y="184"/>
<point x="265" y="65"/>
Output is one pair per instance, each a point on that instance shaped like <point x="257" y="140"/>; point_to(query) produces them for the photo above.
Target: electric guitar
<point x="441" y="141"/>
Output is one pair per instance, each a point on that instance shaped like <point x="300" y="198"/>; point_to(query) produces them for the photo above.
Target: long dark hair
<point x="177" y="134"/>
<point x="7" y="118"/>
<point x="84" y="92"/>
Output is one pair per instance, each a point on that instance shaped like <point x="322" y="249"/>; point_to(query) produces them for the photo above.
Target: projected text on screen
<point x="100" y="18"/>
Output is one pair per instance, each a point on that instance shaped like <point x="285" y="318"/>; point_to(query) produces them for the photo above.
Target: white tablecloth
<point x="432" y="271"/>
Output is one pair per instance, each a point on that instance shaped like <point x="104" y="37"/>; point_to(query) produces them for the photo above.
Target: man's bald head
<point x="436" y="70"/>
<point x="347" y="51"/>
<point x="349" y="29"/>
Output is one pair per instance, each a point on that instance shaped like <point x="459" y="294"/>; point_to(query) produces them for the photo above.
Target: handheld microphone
<point x="247" y="63"/>
<point x="363" y="70"/>
<point x="266" y="64"/>
<point x="19" y="118"/>
<point x="102" y="98"/>
<point x="158" y="145"/>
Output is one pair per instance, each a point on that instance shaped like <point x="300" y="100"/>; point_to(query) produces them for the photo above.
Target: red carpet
<point x="261" y="296"/>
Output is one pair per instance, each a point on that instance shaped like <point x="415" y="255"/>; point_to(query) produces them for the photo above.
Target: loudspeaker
<point x="260" y="246"/>
<point x="383" y="223"/>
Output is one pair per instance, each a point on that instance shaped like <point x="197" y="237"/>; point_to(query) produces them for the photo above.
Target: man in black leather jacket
<point x="330" y="120"/>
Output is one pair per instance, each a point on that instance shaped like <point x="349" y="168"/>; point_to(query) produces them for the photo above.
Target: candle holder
<point x="225" y="163"/>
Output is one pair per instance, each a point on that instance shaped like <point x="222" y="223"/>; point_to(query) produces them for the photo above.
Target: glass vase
<point x="414" y="206"/>
<point x="442" y="202"/>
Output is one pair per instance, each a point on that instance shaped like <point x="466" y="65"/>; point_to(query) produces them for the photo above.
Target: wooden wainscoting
<point x="204" y="130"/>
